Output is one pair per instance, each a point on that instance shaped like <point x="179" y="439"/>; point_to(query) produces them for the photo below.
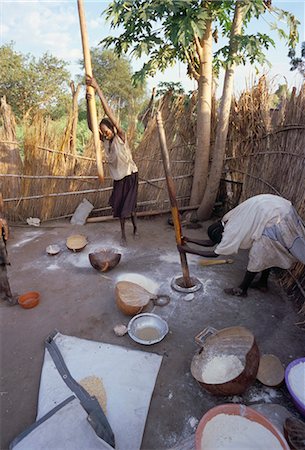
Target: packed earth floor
<point x="79" y="301"/>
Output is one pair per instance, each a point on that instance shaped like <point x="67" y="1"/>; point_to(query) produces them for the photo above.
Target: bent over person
<point x="122" y="168"/>
<point x="267" y="225"/>
<point x="5" y="290"/>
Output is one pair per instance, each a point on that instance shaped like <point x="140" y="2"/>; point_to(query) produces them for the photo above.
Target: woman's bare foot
<point x="136" y="234"/>
<point x="123" y="242"/>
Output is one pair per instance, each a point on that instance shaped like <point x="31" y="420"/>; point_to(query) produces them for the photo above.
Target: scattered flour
<point x="188" y="297"/>
<point x="230" y="432"/>
<point x="296" y="379"/>
<point x="265" y="395"/>
<point x="146" y="283"/>
<point x="193" y="422"/>
<point x="170" y="257"/>
<point x="221" y="369"/>
<point x="256" y="394"/>
<point x="53" y="267"/>
<point x="236" y="399"/>
<point x="25" y="240"/>
<point x="79" y="259"/>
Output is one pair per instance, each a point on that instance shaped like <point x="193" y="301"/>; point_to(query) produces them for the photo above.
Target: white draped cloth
<point x="267" y="225"/>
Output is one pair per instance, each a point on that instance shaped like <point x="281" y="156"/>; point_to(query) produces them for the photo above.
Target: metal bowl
<point x="147" y="328"/>
<point x="53" y="249"/>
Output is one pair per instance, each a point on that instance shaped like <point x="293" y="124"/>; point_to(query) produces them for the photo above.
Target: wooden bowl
<point x="238" y="410"/>
<point x="104" y="260"/>
<point x="29" y="300"/>
<point x="236" y="341"/>
<point x="131" y="298"/>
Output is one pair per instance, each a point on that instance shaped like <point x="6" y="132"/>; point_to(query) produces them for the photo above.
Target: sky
<point x="52" y="26"/>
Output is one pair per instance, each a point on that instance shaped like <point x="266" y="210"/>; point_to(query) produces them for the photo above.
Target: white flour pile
<point x="221" y="369"/>
<point x="296" y="379"/>
<point x="146" y="283"/>
<point x="229" y="432"/>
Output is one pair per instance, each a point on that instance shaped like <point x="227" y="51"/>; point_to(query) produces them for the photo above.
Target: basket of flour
<point x="228" y="361"/>
<point x="233" y="426"/>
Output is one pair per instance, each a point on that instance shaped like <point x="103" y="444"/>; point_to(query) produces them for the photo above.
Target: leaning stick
<point x="214" y="262"/>
<point x="90" y="90"/>
<point x="173" y="200"/>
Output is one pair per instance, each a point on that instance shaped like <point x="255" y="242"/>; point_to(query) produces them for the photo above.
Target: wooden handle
<point x="204" y="334"/>
<point x="90" y="90"/>
<point x="213" y="262"/>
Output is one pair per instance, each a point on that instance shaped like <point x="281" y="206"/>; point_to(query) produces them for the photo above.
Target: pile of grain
<point x="95" y="387"/>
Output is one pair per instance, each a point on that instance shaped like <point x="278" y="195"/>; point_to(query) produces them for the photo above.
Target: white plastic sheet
<point x="128" y="376"/>
<point x="65" y="429"/>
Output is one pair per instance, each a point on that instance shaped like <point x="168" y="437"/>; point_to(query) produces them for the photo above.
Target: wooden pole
<point x="90" y="90"/>
<point x="140" y="214"/>
<point x="173" y="201"/>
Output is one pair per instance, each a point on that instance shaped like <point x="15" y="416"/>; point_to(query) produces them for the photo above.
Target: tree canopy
<point x="169" y="30"/>
<point x="31" y="85"/>
<point x="114" y="75"/>
<point x="296" y="62"/>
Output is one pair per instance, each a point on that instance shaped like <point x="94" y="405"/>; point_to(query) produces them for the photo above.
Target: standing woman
<point x="122" y="168"/>
<point x="5" y="290"/>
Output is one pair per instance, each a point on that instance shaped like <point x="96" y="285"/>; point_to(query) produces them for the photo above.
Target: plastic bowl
<point x="29" y="300"/>
<point x="238" y="410"/>
<point x="298" y="403"/>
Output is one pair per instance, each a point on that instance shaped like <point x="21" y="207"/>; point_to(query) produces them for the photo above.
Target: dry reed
<point x="265" y="154"/>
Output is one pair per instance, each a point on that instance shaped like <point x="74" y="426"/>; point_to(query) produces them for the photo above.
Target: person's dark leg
<point x="241" y="290"/>
<point x="262" y="283"/>
<point x="5" y="289"/>
<point x="122" y="222"/>
<point x="134" y="223"/>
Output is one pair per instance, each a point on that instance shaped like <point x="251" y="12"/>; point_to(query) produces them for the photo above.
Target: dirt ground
<point x="79" y="301"/>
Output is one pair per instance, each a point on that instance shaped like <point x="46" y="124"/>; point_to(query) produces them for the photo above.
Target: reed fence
<point x="265" y="154"/>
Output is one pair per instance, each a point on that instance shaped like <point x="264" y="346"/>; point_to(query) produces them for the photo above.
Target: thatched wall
<point x="265" y="154"/>
<point x="266" y="148"/>
<point x="179" y="125"/>
<point x="9" y="151"/>
<point x="52" y="183"/>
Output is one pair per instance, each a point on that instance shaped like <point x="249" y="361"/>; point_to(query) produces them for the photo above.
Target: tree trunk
<point x="206" y="207"/>
<point x="201" y="166"/>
